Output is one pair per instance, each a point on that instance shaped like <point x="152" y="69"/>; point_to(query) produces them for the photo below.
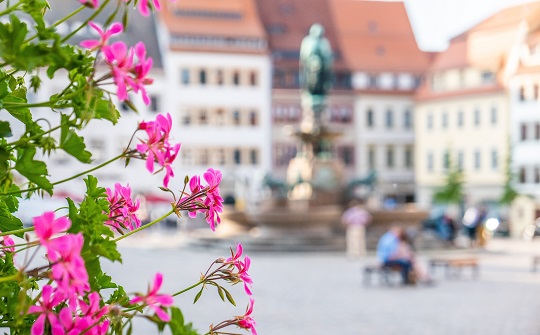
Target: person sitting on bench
<point x="388" y="252"/>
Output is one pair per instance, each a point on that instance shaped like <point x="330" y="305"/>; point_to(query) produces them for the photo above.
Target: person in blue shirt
<point x="388" y="252"/>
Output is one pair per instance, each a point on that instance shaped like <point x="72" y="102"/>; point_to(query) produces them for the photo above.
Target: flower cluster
<point x="204" y="199"/>
<point x="6" y="244"/>
<point x="242" y="267"/>
<point x="122" y="209"/>
<point x="129" y="67"/>
<point x="157" y="148"/>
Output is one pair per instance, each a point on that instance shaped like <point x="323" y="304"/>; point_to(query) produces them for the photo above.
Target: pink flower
<point x="68" y="268"/>
<point x="156" y="301"/>
<point x="46" y="226"/>
<point x="120" y="59"/>
<point x="143" y="6"/>
<point x="141" y="71"/>
<point x="49" y="300"/>
<point x="103" y="35"/>
<point x="246" y="321"/>
<point x="90" y="3"/>
<point x="7" y="243"/>
<point x="235" y="256"/>
<point x="243" y="274"/>
<point x="122" y="210"/>
<point x="157" y="148"/>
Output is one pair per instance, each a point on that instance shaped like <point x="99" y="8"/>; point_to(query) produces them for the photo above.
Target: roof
<point x="139" y="28"/>
<point x="377" y="36"/>
<point x="287" y="22"/>
<point x="229" y="26"/>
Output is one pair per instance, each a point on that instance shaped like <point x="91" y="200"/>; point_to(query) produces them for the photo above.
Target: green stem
<point x="15" y="105"/>
<point x="9" y="278"/>
<point x="13" y="232"/>
<point x="189" y="288"/>
<point x="85" y="23"/>
<point x="10" y="9"/>
<point x="28" y="139"/>
<point x="70" y="178"/>
<point x="145" y="226"/>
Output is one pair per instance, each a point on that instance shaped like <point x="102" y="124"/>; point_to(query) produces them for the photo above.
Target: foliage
<point x="69" y="292"/>
<point x="452" y="190"/>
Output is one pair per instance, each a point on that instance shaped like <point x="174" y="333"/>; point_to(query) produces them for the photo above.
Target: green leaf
<point x="198" y="296"/>
<point x="72" y="143"/>
<point x="220" y="292"/>
<point x="8" y="221"/>
<point x="5" y="129"/>
<point x="177" y="325"/>
<point x="229" y="297"/>
<point x="32" y="169"/>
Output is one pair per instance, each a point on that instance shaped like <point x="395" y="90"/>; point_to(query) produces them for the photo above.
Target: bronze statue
<point x="316" y="62"/>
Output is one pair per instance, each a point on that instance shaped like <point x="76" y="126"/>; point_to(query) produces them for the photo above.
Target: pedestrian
<point x="391" y="253"/>
<point x="356" y="218"/>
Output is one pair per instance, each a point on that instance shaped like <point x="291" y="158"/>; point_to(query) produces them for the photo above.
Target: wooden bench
<point x="535" y="263"/>
<point x="385" y="274"/>
<point x="454" y="265"/>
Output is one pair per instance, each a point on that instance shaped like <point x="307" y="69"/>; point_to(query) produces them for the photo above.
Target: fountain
<point x="305" y="210"/>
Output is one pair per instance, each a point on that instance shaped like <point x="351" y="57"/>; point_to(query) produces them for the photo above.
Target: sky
<point x="436" y="21"/>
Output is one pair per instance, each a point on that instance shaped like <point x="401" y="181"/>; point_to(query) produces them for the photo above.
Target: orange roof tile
<point x="377" y="36"/>
<point x="214" y="19"/>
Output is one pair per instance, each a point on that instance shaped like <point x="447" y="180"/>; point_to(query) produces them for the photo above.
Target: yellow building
<point x="463" y="109"/>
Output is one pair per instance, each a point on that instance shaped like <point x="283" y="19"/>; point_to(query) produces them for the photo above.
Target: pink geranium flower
<point x="144" y="6"/>
<point x="246" y="321"/>
<point x="154" y="300"/>
<point x="141" y="71"/>
<point x="46" y="226"/>
<point x="157" y="148"/>
<point x="49" y="299"/>
<point x="122" y="210"/>
<point x="7" y="244"/>
<point x="104" y="36"/>
<point x="243" y="274"/>
<point x="120" y="59"/>
<point x="68" y="268"/>
<point x="90" y="3"/>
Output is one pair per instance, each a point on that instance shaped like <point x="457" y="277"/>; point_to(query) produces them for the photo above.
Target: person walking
<point x="356" y="218"/>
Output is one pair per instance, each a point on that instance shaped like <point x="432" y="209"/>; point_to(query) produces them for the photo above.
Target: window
<point x="477" y="160"/>
<point x="184" y="76"/>
<point x="430" y="162"/>
<point x="407" y="119"/>
<point x="493" y="115"/>
<point x="186" y="117"/>
<point x="389" y="119"/>
<point x="220" y="117"/>
<point x="221" y="156"/>
<point x="460" y="162"/>
<point x="372" y="81"/>
<point x="494" y="159"/>
<point x="523" y="132"/>
<point x="535" y="91"/>
<point x="202" y="77"/>
<point x="236" y="118"/>
<point x="253" y="156"/>
<point x="476" y="117"/>
<point x="522" y="175"/>
<point x="369" y="118"/>
<point x="154" y="103"/>
<point x="253" y="78"/>
<point x="522" y="93"/>
<point x="253" y="118"/>
<point x="203" y="117"/>
<point x="445" y="120"/>
<point x="408" y="157"/>
<point x="203" y="156"/>
<point x="98" y="149"/>
<point x="390" y="157"/>
<point x="460" y="118"/>
<point x="347" y="155"/>
<point x="488" y="77"/>
<point x="446" y="160"/>
<point x="430" y="121"/>
<point x="371" y="158"/>
<point x="219" y="77"/>
<point x="537" y="131"/>
<point x="537" y="175"/>
<point x="236" y="78"/>
<point x="237" y="156"/>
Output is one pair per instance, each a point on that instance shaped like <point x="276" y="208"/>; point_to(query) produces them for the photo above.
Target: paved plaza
<point x="322" y="293"/>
